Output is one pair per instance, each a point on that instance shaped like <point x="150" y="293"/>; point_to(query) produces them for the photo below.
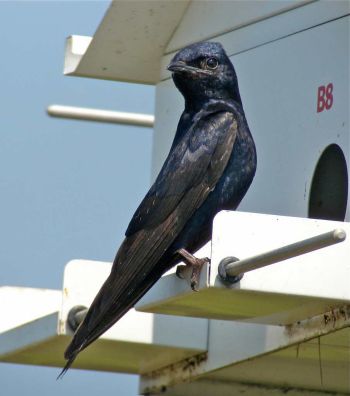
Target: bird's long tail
<point x="83" y="337"/>
<point x="139" y="263"/>
<point x="94" y="325"/>
<point x="67" y="366"/>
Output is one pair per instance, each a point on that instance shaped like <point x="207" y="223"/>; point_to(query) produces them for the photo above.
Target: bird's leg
<point x="192" y="262"/>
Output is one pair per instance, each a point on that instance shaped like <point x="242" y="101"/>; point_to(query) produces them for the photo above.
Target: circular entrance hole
<point x="329" y="187"/>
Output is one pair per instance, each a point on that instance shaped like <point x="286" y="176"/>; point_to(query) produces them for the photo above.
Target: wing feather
<point x="185" y="167"/>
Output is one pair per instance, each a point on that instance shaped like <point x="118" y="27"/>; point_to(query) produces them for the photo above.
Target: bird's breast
<point x="238" y="174"/>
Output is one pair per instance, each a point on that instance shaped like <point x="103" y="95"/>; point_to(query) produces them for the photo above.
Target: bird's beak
<point x="180" y="67"/>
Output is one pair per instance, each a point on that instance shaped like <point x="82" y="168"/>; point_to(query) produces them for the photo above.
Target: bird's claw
<point x="180" y="271"/>
<point x="192" y="262"/>
<point x="196" y="272"/>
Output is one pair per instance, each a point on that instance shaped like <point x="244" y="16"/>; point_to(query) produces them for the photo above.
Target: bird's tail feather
<point x="66" y="367"/>
<point x="81" y="340"/>
<point x="94" y="324"/>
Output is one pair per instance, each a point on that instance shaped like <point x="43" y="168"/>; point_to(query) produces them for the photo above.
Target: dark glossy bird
<point x="210" y="166"/>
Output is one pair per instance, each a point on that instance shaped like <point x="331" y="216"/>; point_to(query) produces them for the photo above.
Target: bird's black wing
<point x="185" y="168"/>
<point x="190" y="172"/>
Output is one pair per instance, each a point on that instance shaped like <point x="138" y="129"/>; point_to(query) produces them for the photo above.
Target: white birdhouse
<point x="282" y="326"/>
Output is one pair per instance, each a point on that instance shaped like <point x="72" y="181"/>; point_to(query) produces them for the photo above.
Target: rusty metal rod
<point x="233" y="267"/>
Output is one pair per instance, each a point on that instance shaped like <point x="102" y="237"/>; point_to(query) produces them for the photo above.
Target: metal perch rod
<point x="87" y="114"/>
<point x="235" y="267"/>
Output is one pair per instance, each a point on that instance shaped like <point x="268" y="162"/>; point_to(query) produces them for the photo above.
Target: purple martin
<point x="210" y="166"/>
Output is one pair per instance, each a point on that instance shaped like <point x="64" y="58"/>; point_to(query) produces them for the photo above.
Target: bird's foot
<point x="192" y="262"/>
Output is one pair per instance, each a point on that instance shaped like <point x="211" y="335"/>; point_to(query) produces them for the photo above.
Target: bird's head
<point x="203" y="71"/>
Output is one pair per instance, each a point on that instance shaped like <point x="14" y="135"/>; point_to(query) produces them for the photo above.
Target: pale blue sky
<point x="68" y="188"/>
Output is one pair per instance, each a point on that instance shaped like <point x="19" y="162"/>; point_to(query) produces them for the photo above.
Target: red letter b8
<point x="324" y="97"/>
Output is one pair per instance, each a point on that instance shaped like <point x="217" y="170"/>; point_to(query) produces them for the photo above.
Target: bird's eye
<point x="212" y="63"/>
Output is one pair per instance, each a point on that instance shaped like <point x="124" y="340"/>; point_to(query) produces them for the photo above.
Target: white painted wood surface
<point x="129" y="42"/>
<point x="281" y="293"/>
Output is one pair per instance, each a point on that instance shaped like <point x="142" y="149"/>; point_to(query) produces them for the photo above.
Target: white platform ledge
<point x="281" y="293"/>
